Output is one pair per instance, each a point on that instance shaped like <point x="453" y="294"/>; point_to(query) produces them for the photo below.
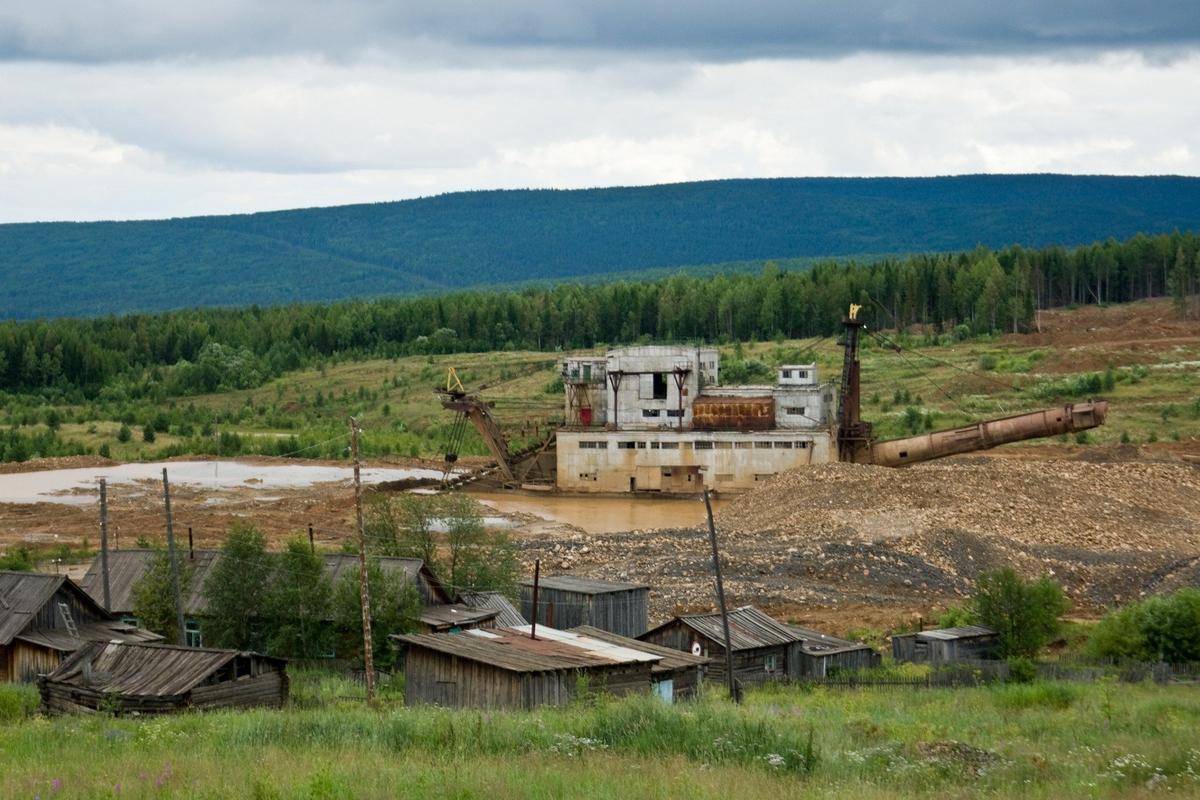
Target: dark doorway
<point x="660" y="386"/>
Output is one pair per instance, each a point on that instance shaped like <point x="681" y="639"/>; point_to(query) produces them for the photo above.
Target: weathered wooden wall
<point x="624" y="612"/>
<point x="749" y="666"/>
<point x="22" y="662"/>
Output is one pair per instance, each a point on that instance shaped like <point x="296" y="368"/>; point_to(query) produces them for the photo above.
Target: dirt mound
<point x="1108" y="507"/>
<point x="61" y="462"/>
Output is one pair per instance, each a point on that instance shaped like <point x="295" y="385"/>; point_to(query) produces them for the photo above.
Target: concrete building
<point x="665" y="424"/>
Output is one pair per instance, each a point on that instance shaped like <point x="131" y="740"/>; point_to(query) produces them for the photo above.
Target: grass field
<point x="1146" y="363"/>
<point x="1039" y="740"/>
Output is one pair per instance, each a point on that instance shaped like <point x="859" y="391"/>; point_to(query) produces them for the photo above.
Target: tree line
<point x="155" y="356"/>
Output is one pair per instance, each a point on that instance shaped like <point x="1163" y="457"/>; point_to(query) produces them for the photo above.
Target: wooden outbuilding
<point x="567" y="601"/>
<point x="456" y="617"/>
<point x="43" y="618"/>
<point x="162" y="679"/>
<point x="677" y="676"/>
<point x="947" y="645"/>
<point x="763" y="648"/>
<point x="506" y="669"/>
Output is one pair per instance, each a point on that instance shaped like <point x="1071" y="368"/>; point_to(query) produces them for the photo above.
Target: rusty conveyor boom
<point x="984" y="435"/>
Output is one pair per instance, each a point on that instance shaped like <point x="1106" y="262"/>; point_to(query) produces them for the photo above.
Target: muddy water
<point x="78" y="486"/>
<point x="602" y="514"/>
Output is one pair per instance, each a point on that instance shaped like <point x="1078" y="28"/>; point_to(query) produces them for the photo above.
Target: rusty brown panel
<point x="733" y="413"/>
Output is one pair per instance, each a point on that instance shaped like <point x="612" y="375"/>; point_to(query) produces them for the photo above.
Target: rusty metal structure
<point x="855" y="443"/>
<point x="733" y="413"/>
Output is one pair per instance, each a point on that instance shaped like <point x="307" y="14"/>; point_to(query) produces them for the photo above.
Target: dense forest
<point x="509" y="238"/>
<point x="151" y="357"/>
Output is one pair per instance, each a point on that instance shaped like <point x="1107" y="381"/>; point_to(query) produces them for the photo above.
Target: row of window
<point x="654" y="413"/>
<point x="702" y="444"/>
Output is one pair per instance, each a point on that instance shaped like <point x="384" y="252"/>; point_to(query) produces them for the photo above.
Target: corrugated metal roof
<point x="960" y="632"/>
<point x="145" y="669"/>
<point x="599" y="647"/>
<point x="508" y="616"/>
<point x="749" y="628"/>
<point x="671" y="659"/>
<point x="511" y="650"/>
<point x="57" y="639"/>
<point x="572" y="583"/>
<point x="455" y="614"/>
<point x="126" y="568"/>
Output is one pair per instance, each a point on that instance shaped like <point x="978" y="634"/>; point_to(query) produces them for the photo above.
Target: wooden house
<point x="677" y="676"/>
<point x="43" y="618"/>
<point x="127" y="567"/>
<point x="947" y="645"/>
<point x="506" y="669"/>
<point x="763" y="648"/>
<point x="162" y="679"/>
<point x="566" y="601"/>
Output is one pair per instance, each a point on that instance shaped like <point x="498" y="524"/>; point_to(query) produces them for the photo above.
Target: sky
<point x="129" y="109"/>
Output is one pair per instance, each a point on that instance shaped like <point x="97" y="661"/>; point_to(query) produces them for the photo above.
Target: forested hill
<point x="505" y="237"/>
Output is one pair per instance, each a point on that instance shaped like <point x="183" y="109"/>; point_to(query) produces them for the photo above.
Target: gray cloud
<point x="138" y="30"/>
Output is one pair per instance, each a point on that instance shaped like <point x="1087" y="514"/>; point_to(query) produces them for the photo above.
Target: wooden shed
<point x="162" y="679"/>
<point x="566" y="601"/>
<point x="946" y="645"/>
<point x="763" y="648"/>
<point x="456" y="617"/>
<point x="43" y="618"/>
<point x="677" y="676"/>
<point x="506" y="669"/>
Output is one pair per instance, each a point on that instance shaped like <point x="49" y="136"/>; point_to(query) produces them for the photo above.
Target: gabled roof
<point x="126" y="568"/>
<point x="671" y="659"/>
<point x="817" y="643"/>
<point x="508" y="615"/>
<point x="749" y="629"/>
<point x="580" y="585"/>
<point x="147" y="670"/>
<point x="512" y="649"/>
<point x="24" y="594"/>
<point x="59" y="639"/>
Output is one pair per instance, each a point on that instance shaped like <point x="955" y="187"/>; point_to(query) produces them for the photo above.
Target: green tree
<point x="237" y="590"/>
<point x="148" y="433"/>
<point x="395" y="608"/>
<point x="124" y="434"/>
<point x="1024" y="612"/>
<point x="476" y="558"/>
<point x="153" y="600"/>
<point x="299" y="603"/>
<point x="1157" y="629"/>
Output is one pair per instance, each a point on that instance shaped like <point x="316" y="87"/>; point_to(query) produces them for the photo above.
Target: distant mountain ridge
<point x="482" y="238"/>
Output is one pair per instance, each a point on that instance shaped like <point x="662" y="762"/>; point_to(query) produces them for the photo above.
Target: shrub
<point x="1083" y="438"/>
<point x="148" y="433"/>
<point x="1157" y="629"/>
<point x="1021" y="670"/>
<point x="124" y="434"/>
<point x="1025" y="613"/>
<point x="987" y="362"/>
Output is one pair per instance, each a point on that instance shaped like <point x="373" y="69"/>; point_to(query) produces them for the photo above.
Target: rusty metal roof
<point x="58" y="639"/>
<point x="671" y="659"/>
<point x="24" y="594"/>
<point x="580" y="585"/>
<point x="508" y="615"/>
<point x="452" y="614"/>
<point x="749" y="629"/>
<point x="154" y="670"/>
<point x="126" y="568"/>
<point x="514" y="651"/>
<point x="818" y="643"/>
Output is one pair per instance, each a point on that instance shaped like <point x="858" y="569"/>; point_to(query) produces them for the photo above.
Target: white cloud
<point x="187" y="136"/>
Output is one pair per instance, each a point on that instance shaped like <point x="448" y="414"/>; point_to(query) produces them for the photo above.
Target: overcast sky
<point x="143" y="108"/>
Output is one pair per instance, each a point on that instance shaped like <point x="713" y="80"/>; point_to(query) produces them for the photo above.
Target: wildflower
<point x="56" y="785"/>
<point x="775" y="760"/>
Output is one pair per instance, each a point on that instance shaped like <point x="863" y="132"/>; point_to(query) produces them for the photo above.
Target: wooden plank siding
<point x="625" y="612"/>
<point x="749" y="666"/>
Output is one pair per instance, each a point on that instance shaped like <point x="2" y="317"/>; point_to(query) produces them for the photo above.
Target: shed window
<point x="787" y="373"/>
<point x="771" y="663"/>
<point x="795" y="411"/>
<point x="801" y="373"/>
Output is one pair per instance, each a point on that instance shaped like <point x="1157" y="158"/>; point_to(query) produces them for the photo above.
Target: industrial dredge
<point x="657" y="419"/>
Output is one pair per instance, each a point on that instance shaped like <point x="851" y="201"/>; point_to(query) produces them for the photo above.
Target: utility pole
<point x="104" y="544"/>
<point x="312" y="545"/>
<point x="712" y="538"/>
<point x="364" y="591"/>
<point x="537" y="574"/>
<point x="174" y="559"/>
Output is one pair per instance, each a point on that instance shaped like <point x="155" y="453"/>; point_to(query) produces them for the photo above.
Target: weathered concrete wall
<point x="667" y="461"/>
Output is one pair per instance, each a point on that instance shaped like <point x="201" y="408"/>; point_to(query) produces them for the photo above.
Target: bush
<point x="124" y="434"/>
<point x="1157" y="629"/>
<point x="1021" y="670"/>
<point x="987" y="362"/>
<point x="1025" y="613"/>
<point x="148" y="433"/>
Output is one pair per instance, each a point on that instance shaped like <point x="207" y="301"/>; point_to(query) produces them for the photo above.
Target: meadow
<point x="1048" y="740"/>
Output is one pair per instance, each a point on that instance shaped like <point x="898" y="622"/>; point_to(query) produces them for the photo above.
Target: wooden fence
<point x="982" y="673"/>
